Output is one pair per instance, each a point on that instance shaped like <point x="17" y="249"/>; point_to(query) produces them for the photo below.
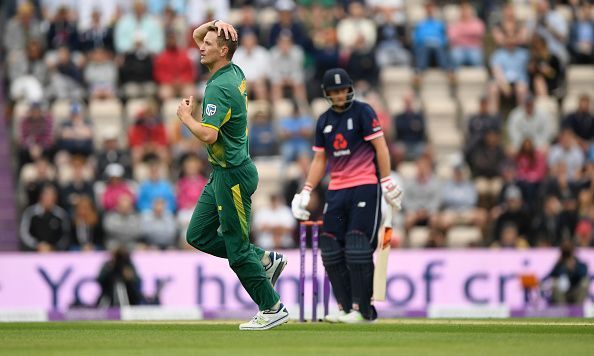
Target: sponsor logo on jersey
<point x="340" y="145"/>
<point x="350" y="123"/>
<point x="328" y="129"/>
<point x="341" y="153"/>
<point x="211" y="109"/>
<point x="242" y="87"/>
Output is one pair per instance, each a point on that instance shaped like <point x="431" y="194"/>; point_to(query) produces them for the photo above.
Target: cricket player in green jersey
<point x="220" y="223"/>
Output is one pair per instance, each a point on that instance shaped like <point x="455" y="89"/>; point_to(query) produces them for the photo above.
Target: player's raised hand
<point x="392" y="192"/>
<point x="227" y="29"/>
<point x="185" y="107"/>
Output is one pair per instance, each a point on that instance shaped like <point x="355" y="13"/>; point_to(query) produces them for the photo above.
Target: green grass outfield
<point x="539" y="337"/>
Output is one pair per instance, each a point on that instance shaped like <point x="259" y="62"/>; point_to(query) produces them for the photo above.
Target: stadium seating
<point x="570" y="104"/>
<point x="580" y="79"/>
<point x="524" y="11"/>
<point x="418" y="237"/>
<point x="415" y="12"/>
<point x="435" y="85"/>
<point x="133" y="108"/>
<point x="140" y="171"/>
<point x="463" y="236"/>
<point x="318" y="107"/>
<point x="169" y="114"/>
<point x="106" y="116"/>
<point x="19" y="112"/>
<point x="447" y="105"/>
<point x="407" y="170"/>
<point x="61" y="111"/>
<point x="471" y="83"/>
<point x="66" y="171"/>
<point x="256" y="106"/>
<point x="395" y="82"/>
<point x="282" y="108"/>
<point x="269" y="169"/>
<point x="451" y="13"/>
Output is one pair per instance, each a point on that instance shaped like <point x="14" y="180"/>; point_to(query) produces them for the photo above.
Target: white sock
<point x="276" y="307"/>
<point x="266" y="259"/>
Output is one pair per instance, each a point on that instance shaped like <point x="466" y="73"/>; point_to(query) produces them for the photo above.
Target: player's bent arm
<point x="200" y="32"/>
<point x="205" y="133"/>
<point x="317" y="169"/>
<point x="222" y="28"/>
<point x="383" y="155"/>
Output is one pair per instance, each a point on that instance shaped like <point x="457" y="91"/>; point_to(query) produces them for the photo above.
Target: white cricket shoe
<point x="354" y="317"/>
<point x="278" y="262"/>
<point x="267" y="319"/>
<point x="333" y="318"/>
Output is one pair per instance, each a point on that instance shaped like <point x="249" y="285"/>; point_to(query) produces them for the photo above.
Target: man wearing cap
<point x="349" y="139"/>
<point x="512" y="211"/>
<point x="569" y="276"/>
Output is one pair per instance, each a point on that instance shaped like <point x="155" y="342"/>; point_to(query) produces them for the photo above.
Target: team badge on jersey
<point x="350" y="123"/>
<point x="376" y="125"/>
<point x="211" y="109"/>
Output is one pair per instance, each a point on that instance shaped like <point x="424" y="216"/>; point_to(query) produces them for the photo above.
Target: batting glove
<point x="392" y="192"/>
<point x="299" y="204"/>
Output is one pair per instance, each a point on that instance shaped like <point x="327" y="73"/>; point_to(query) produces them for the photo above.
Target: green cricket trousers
<point x="220" y="226"/>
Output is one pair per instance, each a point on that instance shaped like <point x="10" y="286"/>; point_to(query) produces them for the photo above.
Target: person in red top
<point x="466" y="38"/>
<point x="349" y="139"/>
<point x="148" y="135"/>
<point x="174" y="70"/>
<point x="36" y="135"/>
<point x="531" y="170"/>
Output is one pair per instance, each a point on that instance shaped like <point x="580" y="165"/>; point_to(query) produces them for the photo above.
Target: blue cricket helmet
<point x="337" y="78"/>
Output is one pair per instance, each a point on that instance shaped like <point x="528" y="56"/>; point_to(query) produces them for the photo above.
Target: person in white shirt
<point x="551" y="25"/>
<point x="356" y="25"/>
<point x="199" y="11"/>
<point x="138" y="23"/>
<point x="287" y="69"/>
<point x="255" y="61"/>
<point x="528" y="121"/>
<point x="567" y="151"/>
<point x="108" y="8"/>
<point x="273" y="225"/>
<point x="158" y="226"/>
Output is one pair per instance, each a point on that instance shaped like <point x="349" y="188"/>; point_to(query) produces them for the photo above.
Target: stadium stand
<point x="447" y="99"/>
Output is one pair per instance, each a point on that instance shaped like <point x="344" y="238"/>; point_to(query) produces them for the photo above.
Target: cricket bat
<point x="383" y="252"/>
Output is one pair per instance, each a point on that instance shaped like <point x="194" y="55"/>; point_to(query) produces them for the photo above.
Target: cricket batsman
<point x="220" y="223"/>
<point x="349" y="138"/>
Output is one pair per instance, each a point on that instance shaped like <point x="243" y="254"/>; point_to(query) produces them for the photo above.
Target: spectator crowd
<point x="93" y="177"/>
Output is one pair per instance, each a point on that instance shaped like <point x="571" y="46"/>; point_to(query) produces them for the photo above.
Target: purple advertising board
<point x="416" y="278"/>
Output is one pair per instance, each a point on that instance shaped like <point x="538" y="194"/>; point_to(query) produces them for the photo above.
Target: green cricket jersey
<point x="224" y="109"/>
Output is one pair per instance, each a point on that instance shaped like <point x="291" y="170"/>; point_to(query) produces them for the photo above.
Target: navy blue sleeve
<point x="319" y="139"/>
<point x="369" y="123"/>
